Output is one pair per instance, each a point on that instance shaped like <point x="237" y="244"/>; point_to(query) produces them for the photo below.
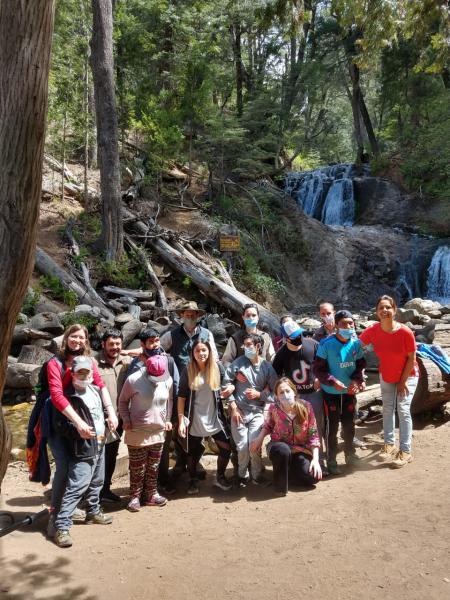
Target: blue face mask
<point x="253" y="322"/>
<point x="250" y="352"/>
<point x="346" y="333"/>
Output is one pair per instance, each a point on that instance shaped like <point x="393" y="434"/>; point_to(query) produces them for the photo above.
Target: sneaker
<point x="63" y="539"/>
<point x="51" y="528"/>
<point x="222" y="483"/>
<point x="79" y="515"/>
<point x="261" y="480"/>
<point x="352" y="460"/>
<point x="168" y="488"/>
<point x="109" y="496"/>
<point x="156" y="500"/>
<point x="99" y="518"/>
<point x="193" y="487"/>
<point x="388" y="452"/>
<point x="402" y="459"/>
<point x="333" y="468"/>
<point x="134" y="505"/>
<point x="357" y="443"/>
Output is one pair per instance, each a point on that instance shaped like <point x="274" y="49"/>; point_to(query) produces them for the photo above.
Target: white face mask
<point x="328" y="320"/>
<point x="287" y="399"/>
<point x="82" y="383"/>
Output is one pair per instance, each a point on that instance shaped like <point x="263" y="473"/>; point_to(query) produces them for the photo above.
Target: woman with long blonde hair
<point x="201" y="413"/>
<point x="294" y="445"/>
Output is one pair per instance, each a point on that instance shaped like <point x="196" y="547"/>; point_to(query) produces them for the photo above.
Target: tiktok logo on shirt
<point x="301" y="376"/>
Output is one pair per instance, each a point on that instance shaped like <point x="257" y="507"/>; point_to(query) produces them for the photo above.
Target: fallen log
<point x="138" y="294"/>
<point x="433" y="388"/>
<point x="24" y="334"/>
<point x="161" y="295"/>
<point x="222" y="293"/>
<point x="46" y="265"/>
<point x="20" y="375"/>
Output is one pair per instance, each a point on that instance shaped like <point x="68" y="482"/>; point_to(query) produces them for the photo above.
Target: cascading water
<point x="408" y="285"/>
<point x="438" y="282"/>
<point x="325" y="194"/>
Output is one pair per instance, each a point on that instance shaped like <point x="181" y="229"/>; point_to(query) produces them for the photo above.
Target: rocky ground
<point x="375" y="533"/>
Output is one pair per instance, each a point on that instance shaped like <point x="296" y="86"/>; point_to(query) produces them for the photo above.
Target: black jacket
<point x="82" y="449"/>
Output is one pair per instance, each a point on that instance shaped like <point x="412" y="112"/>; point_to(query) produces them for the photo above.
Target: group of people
<point x="174" y="392"/>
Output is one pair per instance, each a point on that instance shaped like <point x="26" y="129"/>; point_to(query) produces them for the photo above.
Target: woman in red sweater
<point x="75" y="342"/>
<point x="395" y="346"/>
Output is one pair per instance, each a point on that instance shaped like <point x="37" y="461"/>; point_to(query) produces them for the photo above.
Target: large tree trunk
<point x="107" y="131"/>
<point x="238" y="65"/>
<point x="25" y="44"/>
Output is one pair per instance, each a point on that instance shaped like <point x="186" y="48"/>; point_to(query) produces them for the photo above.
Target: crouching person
<point x="86" y="451"/>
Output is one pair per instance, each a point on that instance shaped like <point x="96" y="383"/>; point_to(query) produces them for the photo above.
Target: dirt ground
<point x="374" y="533"/>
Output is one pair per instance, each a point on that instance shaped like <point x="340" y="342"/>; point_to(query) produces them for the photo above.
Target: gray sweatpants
<point x="243" y="434"/>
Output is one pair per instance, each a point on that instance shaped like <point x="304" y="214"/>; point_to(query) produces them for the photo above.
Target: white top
<point x="93" y="401"/>
<point x="205" y="421"/>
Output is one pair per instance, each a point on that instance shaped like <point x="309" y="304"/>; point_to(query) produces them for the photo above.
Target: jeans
<point x="243" y="435"/>
<point x="391" y="402"/>
<point x="84" y="479"/>
<point x="288" y="465"/>
<point x="61" y="454"/>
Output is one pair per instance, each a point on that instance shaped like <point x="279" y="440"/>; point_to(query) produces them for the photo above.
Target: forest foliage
<point x="246" y="89"/>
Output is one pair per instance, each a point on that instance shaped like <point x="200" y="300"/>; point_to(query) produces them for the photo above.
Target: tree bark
<point x="107" y="129"/>
<point x="25" y="45"/>
<point x="238" y="65"/>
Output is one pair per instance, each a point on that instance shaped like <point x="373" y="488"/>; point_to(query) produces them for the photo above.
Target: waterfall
<point x="325" y="194"/>
<point x="438" y="282"/>
<point x="408" y="285"/>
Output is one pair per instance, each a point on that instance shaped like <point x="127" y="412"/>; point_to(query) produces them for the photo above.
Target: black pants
<point x="339" y="408"/>
<point x="196" y="449"/>
<point x="289" y="466"/>
<point x="111" y="451"/>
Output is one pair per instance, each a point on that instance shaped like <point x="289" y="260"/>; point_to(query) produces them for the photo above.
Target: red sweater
<point x="57" y="383"/>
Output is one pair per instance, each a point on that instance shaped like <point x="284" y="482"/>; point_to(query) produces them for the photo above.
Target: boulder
<point x="404" y="315"/>
<point x="48" y="322"/>
<point x="22" y="318"/>
<point x="33" y="355"/>
<point x="423" y="306"/>
<point x="424" y="319"/>
<point x="130" y="330"/>
<point x="445" y="310"/>
<point x="309" y="324"/>
<point x="446" y="319"/>
<point x="366" y="324"/>
<point x="217" y="328"/>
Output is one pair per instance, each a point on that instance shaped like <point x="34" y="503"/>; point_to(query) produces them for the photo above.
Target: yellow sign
<point x="229" y="243"/>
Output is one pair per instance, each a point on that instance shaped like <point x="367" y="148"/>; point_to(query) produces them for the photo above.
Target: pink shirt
<point x="300" y="437"/>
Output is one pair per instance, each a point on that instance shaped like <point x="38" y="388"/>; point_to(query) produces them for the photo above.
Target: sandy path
<point x="373" y="534"/>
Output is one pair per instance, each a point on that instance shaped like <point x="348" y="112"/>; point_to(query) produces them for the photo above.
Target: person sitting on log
<point x="249" y="324"/>
<point x="294" y="445"/>
<point x="395" y="346"/>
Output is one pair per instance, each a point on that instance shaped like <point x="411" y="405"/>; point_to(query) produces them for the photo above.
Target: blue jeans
<point x="391" y="402"/>
<point x="61" y="454"/>
<point x="84" y="480"/>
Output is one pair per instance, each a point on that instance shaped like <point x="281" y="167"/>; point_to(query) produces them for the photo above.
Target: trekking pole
<point x="28" y="520"/>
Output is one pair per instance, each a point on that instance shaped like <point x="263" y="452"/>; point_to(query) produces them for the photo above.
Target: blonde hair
<point x="69" y="331"/>
<point x="301" y="411"/>
<point x="211" y="374"/>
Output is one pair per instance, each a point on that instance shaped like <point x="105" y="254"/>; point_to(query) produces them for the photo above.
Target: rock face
<point x="381" y="202"/>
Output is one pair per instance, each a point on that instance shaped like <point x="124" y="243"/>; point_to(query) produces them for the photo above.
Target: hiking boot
<point x="109" y="496"/>
<point x="352" y="460"/>
<point x="79" y="515"/>
<point x="388" y="452"/>
<point x="222" y="483"/>
<point x="63" y="539"/>
<point x="156" y="500"/>
<point x="402" y="459"/>
<point x="193" y="487"/>
<point x="333" y="468"/>
<point x="168" y="488"/>
<point x="134" y="505"/>
<point x="99" y="518"/>
<point x="261" y="480"/>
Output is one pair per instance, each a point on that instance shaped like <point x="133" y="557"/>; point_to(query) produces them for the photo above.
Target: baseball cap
<point x="157" y="368"/>
<point x="81" y="362"/>
<point x="291" y="329"/>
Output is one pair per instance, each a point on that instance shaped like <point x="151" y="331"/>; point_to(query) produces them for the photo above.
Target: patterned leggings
<point x="144" y="464"/>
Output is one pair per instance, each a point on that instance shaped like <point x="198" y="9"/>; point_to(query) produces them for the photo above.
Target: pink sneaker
<point x="156" y="500"/>
<point x="134" y="505"/>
